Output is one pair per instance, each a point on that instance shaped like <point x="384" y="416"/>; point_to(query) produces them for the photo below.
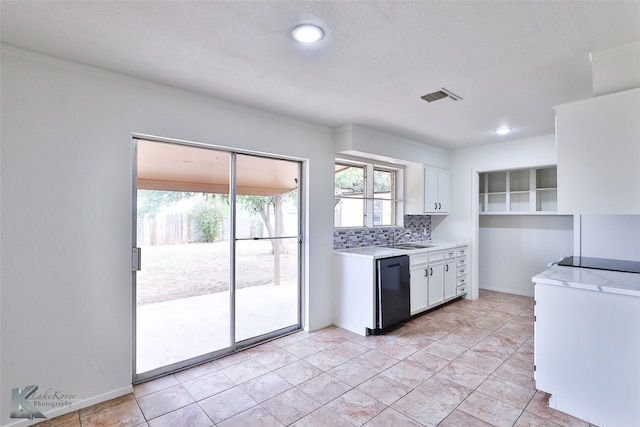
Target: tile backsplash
<point x="419" y="225"/>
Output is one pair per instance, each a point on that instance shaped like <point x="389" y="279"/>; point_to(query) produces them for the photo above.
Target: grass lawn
<point x="172" y="272"/>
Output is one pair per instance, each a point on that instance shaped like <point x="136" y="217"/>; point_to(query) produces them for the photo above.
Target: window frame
<point x="369" y="198"/>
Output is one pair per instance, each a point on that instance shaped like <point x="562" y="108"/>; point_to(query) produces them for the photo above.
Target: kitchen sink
<point x="409" y="246"/>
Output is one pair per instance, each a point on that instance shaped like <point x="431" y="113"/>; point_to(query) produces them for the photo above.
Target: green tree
<point x="150" y="202"/>
<point x="208" y="212"/>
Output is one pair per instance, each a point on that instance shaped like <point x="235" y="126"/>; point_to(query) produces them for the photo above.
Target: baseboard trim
<point x="506" y="291"/>
<point x="85" y="403"/>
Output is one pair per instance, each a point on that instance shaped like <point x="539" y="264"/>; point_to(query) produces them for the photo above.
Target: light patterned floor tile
<point x="324" y="388"/>
<point x="444" y="390"/>
<point x="491" y="410"/>
<point x="161" y="402"/>
<point x="384" y="389"/>
<point x="254" y="417"/>
<point x="423" y="409"/>
<point x="506" y="391"/>
<point x="276" y="359"/>
<point x="462" y="419"/>
<point x="468" y="363"/>
<point x="352" y="373"/>
<point x="356" y="407"/>
<point x="192" y="416"/>
<point x="245" y="371"/>
<point x="208" y="385"/>
<point x="391" y="417"/>
<point x="126" y="414"/>
<point x="227" y="404"/>
<point x="298" y="372"/>
<point x="322" y="417"/>
<point x="290" y="406"/>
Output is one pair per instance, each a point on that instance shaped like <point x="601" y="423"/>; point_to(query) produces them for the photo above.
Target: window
<point x="366" y="195"/>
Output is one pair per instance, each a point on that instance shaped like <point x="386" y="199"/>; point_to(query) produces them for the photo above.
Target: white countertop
<point x="614" y="282"/>
<point x="384" y="252"/>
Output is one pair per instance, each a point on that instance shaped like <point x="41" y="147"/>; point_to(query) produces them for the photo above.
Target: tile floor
<point x="469" y="363"/>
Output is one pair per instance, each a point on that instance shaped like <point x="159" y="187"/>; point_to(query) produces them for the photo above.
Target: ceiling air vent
<point x="441" y="94"/>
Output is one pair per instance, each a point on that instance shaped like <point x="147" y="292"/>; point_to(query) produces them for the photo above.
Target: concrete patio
<point x="172" y="331"/>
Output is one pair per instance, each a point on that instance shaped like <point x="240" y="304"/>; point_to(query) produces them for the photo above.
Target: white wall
<point x="462" y="223"/>
<point x="514" y="248"/>
<point x="66" y="214"/>
<point x="360" y="140"/>
<point x="608" y="236"/>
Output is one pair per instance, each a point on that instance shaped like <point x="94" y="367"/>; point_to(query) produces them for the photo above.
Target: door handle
<point x="426" y="272"/>
<point x="136" y="259"/>
<point x="439" y="206"/>
<point x="446" y="267"/>
<point x="430" y="271"/>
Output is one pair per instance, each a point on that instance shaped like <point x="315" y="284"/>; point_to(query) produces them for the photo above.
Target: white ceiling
<point x="510" y="61"/>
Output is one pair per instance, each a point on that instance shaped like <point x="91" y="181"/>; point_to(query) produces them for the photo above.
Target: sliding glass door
<point x="220" y="255"/>
<point x="268" y="256"/>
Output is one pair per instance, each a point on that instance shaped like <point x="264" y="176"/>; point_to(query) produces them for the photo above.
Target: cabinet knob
<point x="439" y="206"/>
<point x="430" y="271"/>
<point x="426" y="272"/>
<point x="446" y="267"/>
<point x="435" y="206"/>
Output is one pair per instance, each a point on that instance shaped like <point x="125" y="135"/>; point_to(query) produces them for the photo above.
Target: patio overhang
<point x="176" y="167"/>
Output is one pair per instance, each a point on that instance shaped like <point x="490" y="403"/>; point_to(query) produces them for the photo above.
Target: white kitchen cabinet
<point x="598" y="142"/>
<point x="450" y="279"/>
<point x="437" y="275"/>
<point x="436" y="283"/>
<point x="418" y="282"/>
<point x="436" y="190"/>
<point x="426" y="190"/>
<point x="461" y="271"/>
<point x="355" y="293"/>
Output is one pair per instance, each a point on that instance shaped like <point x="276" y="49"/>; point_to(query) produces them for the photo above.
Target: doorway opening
<point x="219" y="239"/>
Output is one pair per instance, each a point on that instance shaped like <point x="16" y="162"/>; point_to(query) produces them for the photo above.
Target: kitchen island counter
<point x="586" y="343"/>
<point x="613" y="282"/>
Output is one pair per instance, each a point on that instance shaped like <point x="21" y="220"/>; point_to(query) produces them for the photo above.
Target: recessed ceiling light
<point x="503" y="130"/>
<point x="307" y="33"/>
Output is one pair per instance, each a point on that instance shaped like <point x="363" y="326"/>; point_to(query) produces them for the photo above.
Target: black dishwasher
<point x="393" y="298"/>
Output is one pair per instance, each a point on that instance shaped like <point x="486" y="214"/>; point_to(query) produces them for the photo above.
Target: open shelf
<point x="518" y="191"/>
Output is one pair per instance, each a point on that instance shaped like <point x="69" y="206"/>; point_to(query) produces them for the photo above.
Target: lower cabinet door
<point x="418" y="289"/>
<point x="435" y="274"/>
<point x="450" y="280"/>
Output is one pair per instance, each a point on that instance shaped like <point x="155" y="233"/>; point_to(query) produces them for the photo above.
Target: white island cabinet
<point x="587" y="343"/>
<point x="437" y="275"/>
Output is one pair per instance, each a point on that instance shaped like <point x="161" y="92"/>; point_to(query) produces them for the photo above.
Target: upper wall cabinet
<point x="426" y="190"/>
<point x="520" y="191"/>
<point x="598" y="142"/>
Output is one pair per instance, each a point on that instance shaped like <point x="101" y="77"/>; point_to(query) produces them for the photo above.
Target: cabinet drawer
<point x="462" y="281"/>
<point x="461" y="290"/>
<point x="436" y="256"/>
<point x="450" y="253"/>
<point x="417" y="259"/>
<point x="462" y="262"/>
<point x="462" y="271"/>
<point x="462" y="251"/>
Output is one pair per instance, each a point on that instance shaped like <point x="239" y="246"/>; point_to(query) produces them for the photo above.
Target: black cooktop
<point x="601" y="264"/>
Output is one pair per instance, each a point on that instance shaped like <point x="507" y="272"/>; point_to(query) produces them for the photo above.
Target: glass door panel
<point x="267" y="250"/>
<point x="183" y="287"/>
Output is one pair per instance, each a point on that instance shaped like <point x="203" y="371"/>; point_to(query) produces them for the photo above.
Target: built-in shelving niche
<point x="519" y="191"/>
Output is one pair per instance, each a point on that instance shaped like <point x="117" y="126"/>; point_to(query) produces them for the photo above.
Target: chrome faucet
<point x="397" y="234"/>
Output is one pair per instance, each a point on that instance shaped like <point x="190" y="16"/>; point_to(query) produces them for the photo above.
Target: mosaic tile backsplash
<point x="419" y="225"/>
